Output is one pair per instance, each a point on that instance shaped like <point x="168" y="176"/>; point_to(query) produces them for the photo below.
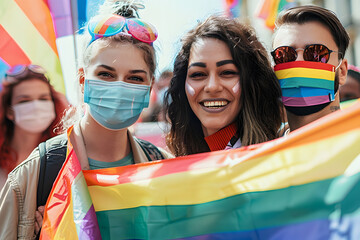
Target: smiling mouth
<point x="214" y="104"/>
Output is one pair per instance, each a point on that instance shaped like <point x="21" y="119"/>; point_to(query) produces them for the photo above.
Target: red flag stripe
<point x="10" y="51"/>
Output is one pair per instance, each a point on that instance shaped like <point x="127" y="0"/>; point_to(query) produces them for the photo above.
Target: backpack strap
<point x="52" y="156"/>
<point x="151" y="151"/>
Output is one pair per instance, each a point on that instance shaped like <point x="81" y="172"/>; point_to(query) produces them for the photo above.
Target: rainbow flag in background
<point x="70" y="16"/>
<point x="27" y="36"/>
<point x="233" y="8"/>
<point x="303" y="186"/>
<point x="269" y="9"/>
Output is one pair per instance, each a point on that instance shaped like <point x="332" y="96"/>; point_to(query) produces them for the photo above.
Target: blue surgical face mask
<point x="115" y="105"/>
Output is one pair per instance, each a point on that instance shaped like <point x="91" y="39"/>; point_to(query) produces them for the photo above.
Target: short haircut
<point x="310" y="13"/>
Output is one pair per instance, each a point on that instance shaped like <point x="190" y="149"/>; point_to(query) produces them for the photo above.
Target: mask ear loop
<point x="336" y="68"/>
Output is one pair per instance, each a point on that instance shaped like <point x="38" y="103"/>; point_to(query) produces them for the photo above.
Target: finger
<point x="41" y="210"/>
<point x="39" y="218"/>
<point x="37" y="228"/>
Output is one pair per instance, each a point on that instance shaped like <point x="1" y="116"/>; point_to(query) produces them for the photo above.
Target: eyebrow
<point x="107" y="67"/>
<point x="114" y="70"/>
<point x="197" y="64"/>
<point x="137" y="71"/>
<point x="28" y="96"/>
<point x="224" y="62"/>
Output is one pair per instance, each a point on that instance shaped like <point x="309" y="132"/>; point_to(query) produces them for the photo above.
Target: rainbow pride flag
<point x="303" y="186"/>
<point x="232" y="8"/>
<point x="69" y="211"/>
<point x="316" y="76"/>
<point x="269" y="9"/>
<point x="27" y="36"/>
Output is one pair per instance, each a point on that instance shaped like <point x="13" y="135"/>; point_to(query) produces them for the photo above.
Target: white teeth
<point x="216" y="104"/>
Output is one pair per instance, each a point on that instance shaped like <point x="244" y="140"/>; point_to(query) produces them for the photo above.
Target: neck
<point x="23" y="143"/>
<point x="103" y="144"/>
<point x="296" y="122"/>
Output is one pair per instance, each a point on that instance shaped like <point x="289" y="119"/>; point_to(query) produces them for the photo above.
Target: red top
<point x="221" y="138"/>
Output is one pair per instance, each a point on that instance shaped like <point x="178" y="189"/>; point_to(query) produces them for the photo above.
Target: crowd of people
<point x="223" y="93"/>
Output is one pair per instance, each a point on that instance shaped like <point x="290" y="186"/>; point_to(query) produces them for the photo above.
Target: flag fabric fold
<point x="69" y="212"/>
<point x="303" y="186"/>
<point x="27" y="36"/>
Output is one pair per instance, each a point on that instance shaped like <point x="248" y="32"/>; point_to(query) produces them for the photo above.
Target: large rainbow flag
<point x="303" y="186"/>
<point x="27" y="36"/>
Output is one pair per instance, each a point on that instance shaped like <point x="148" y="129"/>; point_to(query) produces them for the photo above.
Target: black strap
<point x="40" y="188"/>
<point x="52" y="156"/>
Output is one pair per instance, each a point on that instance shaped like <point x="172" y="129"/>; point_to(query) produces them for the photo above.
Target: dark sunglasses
<point x="312" y="53"/>
<point x="20" y="71"/>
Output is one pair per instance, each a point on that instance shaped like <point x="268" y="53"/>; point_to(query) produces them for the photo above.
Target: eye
<point x="197" y="75"/>
<point x="229" y="73"/>
<point x="47" y="98"/>
<point x="105" y="75"/>
<point x="136" y="79"/>
<point x="24" y="101"/>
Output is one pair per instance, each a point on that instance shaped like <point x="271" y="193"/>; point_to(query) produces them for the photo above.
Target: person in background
<point x="30" y="110"/>
<point x="224" y="91"/>
<point x="309" y="48"/>
<point x="115" y="75"/>
<point x="351" y="88"/>
<point x="163" y="84"/>
<point x="155" y="112"/>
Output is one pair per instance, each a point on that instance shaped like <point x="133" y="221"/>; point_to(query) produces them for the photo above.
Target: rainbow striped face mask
<point x="307" y="87"/>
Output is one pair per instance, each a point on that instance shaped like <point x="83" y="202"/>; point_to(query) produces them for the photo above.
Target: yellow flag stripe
<point x="306" y="73"/>
<point x="293" y="166"/>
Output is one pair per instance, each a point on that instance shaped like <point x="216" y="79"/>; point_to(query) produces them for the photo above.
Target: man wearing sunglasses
<point x="309" y="48"/>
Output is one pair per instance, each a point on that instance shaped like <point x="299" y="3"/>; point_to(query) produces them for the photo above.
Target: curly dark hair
<point x="260" y="116"/>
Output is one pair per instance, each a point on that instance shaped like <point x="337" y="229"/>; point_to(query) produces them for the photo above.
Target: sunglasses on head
<point x="114" y="24"/>
<point x="20" y="71"/>
<point x="312" y="53"/>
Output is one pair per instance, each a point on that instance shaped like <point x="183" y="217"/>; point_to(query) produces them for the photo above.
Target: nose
<point x="213" y="84"/>
<point x="300" y="54"/>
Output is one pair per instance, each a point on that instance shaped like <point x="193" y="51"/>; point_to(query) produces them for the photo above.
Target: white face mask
<point x="34" y="116"/>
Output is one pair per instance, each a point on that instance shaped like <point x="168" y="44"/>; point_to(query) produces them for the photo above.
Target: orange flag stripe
<point x="42" y="22"/>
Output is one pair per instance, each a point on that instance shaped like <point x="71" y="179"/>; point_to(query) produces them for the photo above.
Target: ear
<point x="81" y="77"/>
<point x="10" y="114"/>
<point x="152" y="83"/>
<point x="343" y="69"/>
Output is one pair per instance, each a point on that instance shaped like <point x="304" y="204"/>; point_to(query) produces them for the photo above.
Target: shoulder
<point x="23" y="179"/>
<point x="57" y="141"/>
<point x="28" y="166"/>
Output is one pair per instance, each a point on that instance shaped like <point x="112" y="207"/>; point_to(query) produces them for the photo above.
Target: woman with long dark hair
<point x="224" y="93"/>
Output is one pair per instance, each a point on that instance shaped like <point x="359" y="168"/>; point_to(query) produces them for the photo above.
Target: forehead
<point x="300" y="35"/>
<point x="118" y="55"/>
<point x="31" y="87"/>
<point x="209" y="50"/>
